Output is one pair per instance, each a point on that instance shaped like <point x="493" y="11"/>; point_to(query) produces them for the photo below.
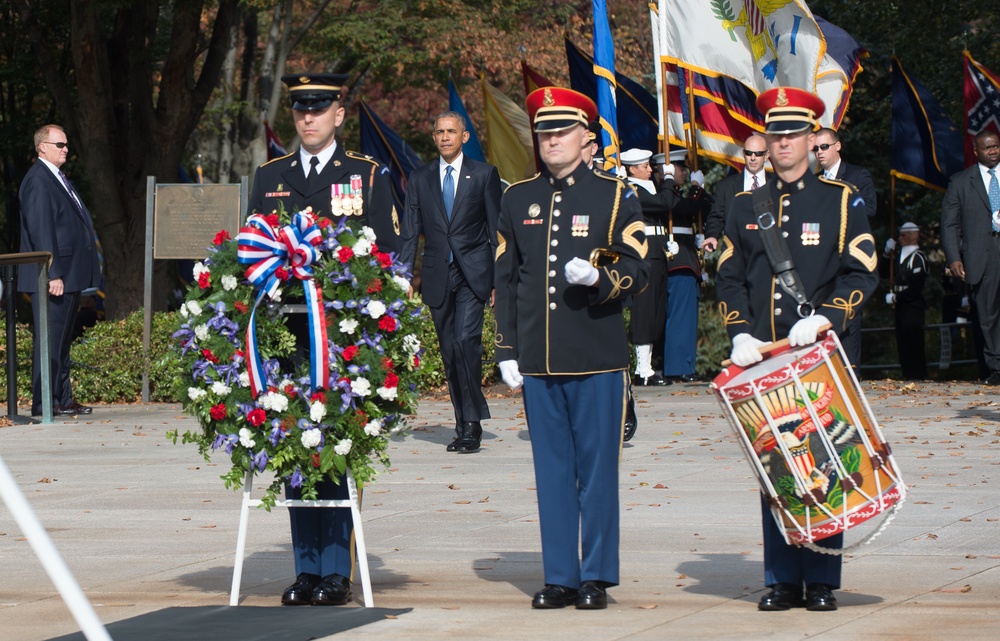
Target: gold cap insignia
<point x="549" y="100"/>
<point x="304" y="79"/>
<point x="782" y="99"/>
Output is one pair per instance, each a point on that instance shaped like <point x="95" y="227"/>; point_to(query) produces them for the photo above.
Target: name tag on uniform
<point x="277" y="194"/>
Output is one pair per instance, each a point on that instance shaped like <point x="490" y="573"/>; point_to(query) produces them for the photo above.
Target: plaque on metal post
<point x="187" y="218"/>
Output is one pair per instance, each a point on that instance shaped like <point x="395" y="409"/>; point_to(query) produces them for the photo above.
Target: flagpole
<point x="692" y="138"/>
<point x="892" y="227"/>
<point x="661" y="16"/>
<point x="654" y="27"/>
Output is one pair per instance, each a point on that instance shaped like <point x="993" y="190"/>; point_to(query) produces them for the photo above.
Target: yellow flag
<point x="510" y="147"/>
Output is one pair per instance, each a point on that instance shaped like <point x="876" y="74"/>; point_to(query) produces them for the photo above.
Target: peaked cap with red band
<point x="789" y="110"/>
<point x="557" y="108"/>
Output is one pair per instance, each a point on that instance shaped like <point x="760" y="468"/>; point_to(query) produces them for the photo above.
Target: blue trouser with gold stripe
<point x="576" y="424"/>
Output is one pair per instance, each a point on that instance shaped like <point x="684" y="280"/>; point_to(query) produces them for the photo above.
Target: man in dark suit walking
<point x="970" y="235"/>
<point x="54" y="219"/>
<point x="455" y="201"/>
<point x="752" y="177"/>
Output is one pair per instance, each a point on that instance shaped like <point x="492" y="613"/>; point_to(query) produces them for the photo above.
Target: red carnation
<point x="384" y="260"/>
<point x="318" y="396"/>
<point x="387" y="363"/>
<point x="209" y="356"/>
<point x="416" y="361"/>
<point x="241" y="307"/>
<point x="204" y="280"/>
<point x="315" y="459"/>
<point x="289" y="390"/>
<point x="376" y="286"/>
<point x="218" y="412"/>
<point x="345" y="254"/>
<point x="239" y="353"/>
<point x="391" y="380"/>
<point x="221" y="237"/>
<point x="256" y="416"/>
<point x="323" y="223"/>
<point x="350" y="352"/>
<point x="387" y="323"/>
<point x="272" y="220"/>
<point x="282" y="273"/>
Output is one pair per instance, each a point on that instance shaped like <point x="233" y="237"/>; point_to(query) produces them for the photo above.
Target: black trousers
<point x="910" y="342"/>
<point x="649" y="308"/>
<point x="62" y="320"/>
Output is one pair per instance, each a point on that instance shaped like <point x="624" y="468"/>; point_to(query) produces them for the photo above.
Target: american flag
<point x="982" y="103"/>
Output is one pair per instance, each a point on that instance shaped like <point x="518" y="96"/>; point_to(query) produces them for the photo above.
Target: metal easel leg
<point x="359" y="541"/>
<point x="241" y="541"/>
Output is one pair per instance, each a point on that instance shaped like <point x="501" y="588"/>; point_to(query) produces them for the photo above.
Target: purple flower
<point x="259" y="461"/>
<point x="296" y="480"/>
<point x="227" y="441"/>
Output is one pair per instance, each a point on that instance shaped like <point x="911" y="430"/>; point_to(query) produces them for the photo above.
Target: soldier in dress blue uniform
<point x="334" y="182"/>
<point x="322" y="174"/>
<point x="560" y="334"/>
<point x="826" y="229"/>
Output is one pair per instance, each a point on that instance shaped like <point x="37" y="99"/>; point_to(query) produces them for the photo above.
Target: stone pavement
<point x="145" y="525"/>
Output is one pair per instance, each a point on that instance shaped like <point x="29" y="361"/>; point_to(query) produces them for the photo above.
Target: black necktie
<point x="313" y="170"/>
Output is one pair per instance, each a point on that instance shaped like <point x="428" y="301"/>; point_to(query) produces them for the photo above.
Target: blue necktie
<point x="79" y="208"/>
<point x="448" y="191"/>
<point x="994" y="194"/>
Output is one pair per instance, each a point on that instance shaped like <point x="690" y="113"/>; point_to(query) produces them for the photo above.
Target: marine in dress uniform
<point x="560" y="334"/>
<point x="322" y="175"/>
<point x="649" y="309"/>
<point x="907" y="298"/>
<point x="828" y="237"/>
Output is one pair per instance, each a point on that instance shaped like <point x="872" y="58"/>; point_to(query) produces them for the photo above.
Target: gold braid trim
<point x="870" y="262"/>
<point x="730" y="317"/>
<point x="618" y="283"/>
<point x="844" y="195"/>
<point x="847" y="305"/>
<point x="614" y="213"/>
<point x="501" y="246"/>
<point x="629" y="238"/>
<point x="727" y="253"/>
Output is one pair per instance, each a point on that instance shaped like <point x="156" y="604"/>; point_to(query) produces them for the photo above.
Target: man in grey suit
<point x="455" y="201"/>
<point x="970" y="235"/>
<point x="54" y="219"/>
<point x="752" y="177"/>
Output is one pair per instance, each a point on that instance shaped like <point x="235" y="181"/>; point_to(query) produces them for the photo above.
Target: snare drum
<point x="812" y="439"/>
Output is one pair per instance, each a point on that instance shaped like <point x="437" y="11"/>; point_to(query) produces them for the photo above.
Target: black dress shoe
<point x="819" y="598"/>
<point x="553" y="596"/>
<point x="334" y="590"/>
<point x="650" y="381"/>
<point x="80" y="409"/>
<point x="631" y="421"/>
<point x="458" y="437"/>
<point x="592" y="596"/>
<point x="301" y="592"/>
<point x="993" y="379"/>
<point x="783" y="596"/>
<point x="689" y="378"/>
<point x="472" y="436"/>
<point x="59" y="410"/>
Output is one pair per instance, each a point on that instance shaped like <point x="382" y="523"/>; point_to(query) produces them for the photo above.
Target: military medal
<point x="345" y="199"/>
<point x="534" y="210"/>
<point x="810" y="233"/>
<point x="581" y="225"/>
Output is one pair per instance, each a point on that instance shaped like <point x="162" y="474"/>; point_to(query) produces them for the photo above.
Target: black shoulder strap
<point x="777" y="251"/>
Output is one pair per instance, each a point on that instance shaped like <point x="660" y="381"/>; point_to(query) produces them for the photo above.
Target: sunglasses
<point x="823" y="147"/>
<point x="60" y="145"/>
<point x="757" y="154"/>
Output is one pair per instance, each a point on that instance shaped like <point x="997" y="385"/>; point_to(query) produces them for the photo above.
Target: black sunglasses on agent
<point x="824" y="147"/>
<point x="758" y="154"/>
<point x="60" y="145"/>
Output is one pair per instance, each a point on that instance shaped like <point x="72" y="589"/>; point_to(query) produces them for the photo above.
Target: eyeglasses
<point x="60" y="145"/>
<point x="757" y="154"/>
<point x="823" y="147"/>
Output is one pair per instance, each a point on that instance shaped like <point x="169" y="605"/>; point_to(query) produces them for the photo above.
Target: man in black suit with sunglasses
<point x="752" y="177"/>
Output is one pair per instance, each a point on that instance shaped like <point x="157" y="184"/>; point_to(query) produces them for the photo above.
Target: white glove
<point x="890" y="298"/>
<point x="673" y="248"/>
<point x="698" y="178"/>
<point x="621" y="172"/>
<point x="668" y="171"/>
<point x="510" y="373"/>
<point x="889" y="246"/>
<point x="580" y="272"/>
<point x="746" y="350"/>
<point x="699" y="239"/>
<point x="804" y="331"/>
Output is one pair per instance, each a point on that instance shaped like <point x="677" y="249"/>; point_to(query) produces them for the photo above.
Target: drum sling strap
<point x="780" y="258"/>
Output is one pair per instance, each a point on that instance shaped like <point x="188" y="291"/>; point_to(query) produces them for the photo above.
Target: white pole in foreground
<point x="53" y="563"/>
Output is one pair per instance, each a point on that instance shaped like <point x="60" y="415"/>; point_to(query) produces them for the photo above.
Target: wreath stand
<point x="359" y="537"/>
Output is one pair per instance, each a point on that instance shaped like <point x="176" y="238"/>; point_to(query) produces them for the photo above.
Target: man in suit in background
<point x="970" y="235"/>
<point x="752" y="177"/>
<point x="455" y="201"/>
<point x="54" y="219"/>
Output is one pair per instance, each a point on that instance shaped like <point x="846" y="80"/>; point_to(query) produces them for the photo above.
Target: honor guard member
<point x="649" y="309"/>
<point x="322" y="174"/>
<point x="907" y="298"/>
<point x="560" y="334"/>
<point x="680" y="342"/>
<point x="826" y="230"/>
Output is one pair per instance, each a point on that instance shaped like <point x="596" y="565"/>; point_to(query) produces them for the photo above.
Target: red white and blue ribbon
<point x="293" y="247"/>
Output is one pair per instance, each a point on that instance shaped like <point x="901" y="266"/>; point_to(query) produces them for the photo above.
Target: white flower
<point x="375" y="308"/>
<point x="388" y="393"/>
<point x="229" y="282"/>
<point x="194" y="393"/>
<point x="285" y="382"/>
<point x="411" y="344"/>
<point x="246" y="438"/>
<point x="362" y="247"/>
<point x="201" y="332"/>
<point x="343" y="447"/>
<point x="221" y="389"/>
<point x="277" y="295"/>
<point x="317" y="411"/>
<point x="184" y="310"/>
<point x="368" y="233"/>
<point x="311" y="438"/>
<point x="194" y="307"/>
<point x="244" y="378"/>
<point x="401" y="282"/>
<point x="199" y="269"/>
<point x="373" y="427"/>
<point x="348" y="325"/>
<point x="273" y="402"/>
<point x="361" y="387"/>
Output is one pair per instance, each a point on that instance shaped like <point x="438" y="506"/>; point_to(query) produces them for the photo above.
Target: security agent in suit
<point x="291" y="181"/>
<point x="649" y="308"/>
<point x="832" y="166"/>
<point x="455" y="201"/>
<point x="560" y="334"/>
<point x="54" y="219"/>
<point x="752" y="176"/>
<point x="907" y="299"/>
<point x="970" y="235"/>
<point x="317" y="175"/>
<point x="827" y="233"/>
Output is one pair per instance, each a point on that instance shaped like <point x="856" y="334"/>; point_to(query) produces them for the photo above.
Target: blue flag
<point x="379" y="141"/>
<point x="604" y="69"/>
<point x="926" y="145"/>
<point x="473" y="149"/>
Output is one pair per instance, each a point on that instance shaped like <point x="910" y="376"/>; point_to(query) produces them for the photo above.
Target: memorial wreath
<point x="246" y="381"/>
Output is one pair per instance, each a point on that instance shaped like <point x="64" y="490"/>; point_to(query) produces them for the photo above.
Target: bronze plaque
<point x="187" y="218"/>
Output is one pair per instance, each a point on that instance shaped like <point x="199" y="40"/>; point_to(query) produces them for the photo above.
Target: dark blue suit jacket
<point x="50" y="222"/>
<point x="966" y="223"/>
